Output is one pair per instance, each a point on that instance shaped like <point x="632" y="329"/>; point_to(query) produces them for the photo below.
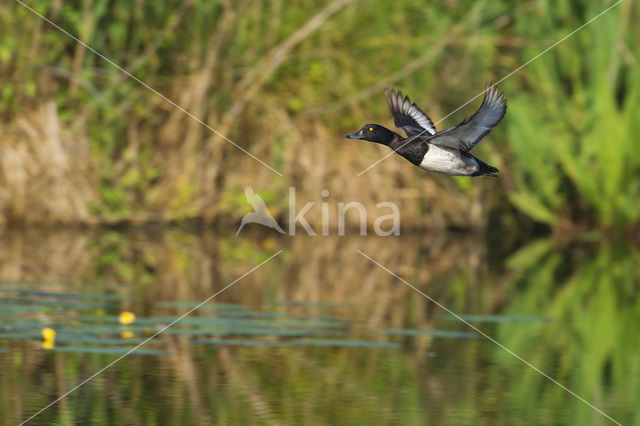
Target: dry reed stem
<point x="42" y="176"/>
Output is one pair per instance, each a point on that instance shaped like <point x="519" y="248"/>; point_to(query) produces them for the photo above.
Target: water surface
<point x="319" y="334"/>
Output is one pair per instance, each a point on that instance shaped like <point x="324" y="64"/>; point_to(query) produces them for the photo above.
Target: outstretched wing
<point x="407" y="115"/>
<point x="467" y="134"/>
<point x="255" y="200"/>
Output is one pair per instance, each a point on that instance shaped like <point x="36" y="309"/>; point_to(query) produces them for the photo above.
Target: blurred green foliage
<point x="591" y="293"/>
<point x="574" y="135"/>
<point x="566" y="145"/>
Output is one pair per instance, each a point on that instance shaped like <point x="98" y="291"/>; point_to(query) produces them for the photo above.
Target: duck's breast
<point x="448" y="162"/>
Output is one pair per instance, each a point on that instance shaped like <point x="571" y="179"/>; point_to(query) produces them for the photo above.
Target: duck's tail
<point x="485" y="169"/>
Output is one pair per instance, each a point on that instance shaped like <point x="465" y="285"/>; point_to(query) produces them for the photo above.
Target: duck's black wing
<point x="467" y="134"/>
<point x="407" y="115"/>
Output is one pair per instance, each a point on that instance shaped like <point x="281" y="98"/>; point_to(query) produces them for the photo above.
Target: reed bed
<point x="83" y="143"/>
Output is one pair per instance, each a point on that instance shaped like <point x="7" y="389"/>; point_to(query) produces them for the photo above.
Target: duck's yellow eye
<point x="371" y="129"/>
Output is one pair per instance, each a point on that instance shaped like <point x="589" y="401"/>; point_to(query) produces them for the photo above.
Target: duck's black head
<point x="374" y="133"/>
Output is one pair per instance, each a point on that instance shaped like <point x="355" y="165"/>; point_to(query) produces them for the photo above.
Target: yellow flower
<point x="126" y="318"/>
<point x="48" y="333"/>
<point x="127" y="334"/>
<point x="49" y="337"/>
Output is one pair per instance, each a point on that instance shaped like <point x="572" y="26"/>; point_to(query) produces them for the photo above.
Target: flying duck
<point x="444" y="152"/>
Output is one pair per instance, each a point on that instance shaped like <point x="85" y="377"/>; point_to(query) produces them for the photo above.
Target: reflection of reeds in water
<point x="187" y="267"/>
<point x="589" y="293"/>
<point x="173" y="267"/>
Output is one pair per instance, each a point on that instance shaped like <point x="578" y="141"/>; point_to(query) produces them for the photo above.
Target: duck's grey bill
<point x="357" y="135"/>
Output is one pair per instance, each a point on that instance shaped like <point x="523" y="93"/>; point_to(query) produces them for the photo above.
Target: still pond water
<point x="319" y="334"/>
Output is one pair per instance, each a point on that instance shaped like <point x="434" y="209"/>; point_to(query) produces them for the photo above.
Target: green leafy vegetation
<point x="286" y="83"/>
<point x="574" y="136"/>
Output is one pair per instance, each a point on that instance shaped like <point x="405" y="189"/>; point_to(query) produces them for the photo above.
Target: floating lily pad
<point x="208" y="305"/>
<point x="310" y="324"/>
<point x="21" y="335"/>
<point x="20" y="303"/>
<point x="241" y="342"/>
<point x="110" y="351"/>
<point x="346" y="343"/>
<point x="102" y="329"/>
<point x="250" y="314"/>
<point x="34" y="293"/>
<point x="228" y="322"/>
<point x="70" y="338"/>
<point x="9" y="310"/>
<point x="21" y="325"/>
<point x="495" y="318"/>
<point x="434" y="333"/>
<point x="246" y="332"/>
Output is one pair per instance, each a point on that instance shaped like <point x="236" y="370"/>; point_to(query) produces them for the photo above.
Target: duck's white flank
<point x="448" y="162"/>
